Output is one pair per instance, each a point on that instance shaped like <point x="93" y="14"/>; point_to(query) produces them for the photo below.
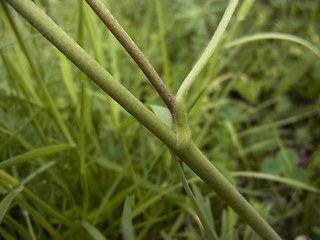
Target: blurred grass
<point x="255" y="105"/>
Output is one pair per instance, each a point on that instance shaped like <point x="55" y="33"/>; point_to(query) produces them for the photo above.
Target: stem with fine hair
<point x="106" y="17"/>
<point x="187" y="152"/>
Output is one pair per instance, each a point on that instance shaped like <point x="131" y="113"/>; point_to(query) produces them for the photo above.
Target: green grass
<point x="254" y="111"/>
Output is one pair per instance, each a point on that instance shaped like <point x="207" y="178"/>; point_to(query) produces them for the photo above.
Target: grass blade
<point x="7" y="181"/>
<point x="38" y="171"/>
<point x="82" y="149"/>
<point x="47" y="208"/>
<point x="164" y="51"/>
<point x="7" y="200"/>
<point x="29" y="225"/>
<point x="126" y="220"/>
<point x="196" y="204"/>
<point x="244" y="9"/>
<point x="19" y="229"/>
<point x="39" y="79"/>
<point x="6" y="235"/>
<point x="31" y="155"/>
<point x="37" y="216"/>
<point x="67" y="77"/>
<point x="265" y="176"/>
<point x="93" y="231"/>
<point x="14" y="135"/>
<point x="19" y="138"/>
<point x="274" y="35"/>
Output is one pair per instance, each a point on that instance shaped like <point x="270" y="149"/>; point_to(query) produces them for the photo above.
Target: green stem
<point x="208" y="52"/>
<point x="134" y="51"/>
<point x="194" y="158"/>
<point x="62" y="41"/>
<point x="189" y="153"/>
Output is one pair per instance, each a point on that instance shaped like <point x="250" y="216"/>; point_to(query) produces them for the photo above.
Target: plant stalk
<point x="199" y="163"/>
<point x="189" y="153"/>
<point x="106" y="17"/>
<point x="208" y="52"/>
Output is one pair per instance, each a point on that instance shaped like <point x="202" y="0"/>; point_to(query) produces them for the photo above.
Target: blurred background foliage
<point x="254" y="108"/>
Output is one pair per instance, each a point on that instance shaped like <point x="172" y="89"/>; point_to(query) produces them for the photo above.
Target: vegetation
<point x="76" y="165"/>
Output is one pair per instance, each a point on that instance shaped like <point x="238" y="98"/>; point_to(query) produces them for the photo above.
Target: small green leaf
<point x="162" y="113"/>
<point x="249" y="89"/>
<point x="272" y="165"/>
<point x="277" y="165"/>
<point x="129" y="121"/>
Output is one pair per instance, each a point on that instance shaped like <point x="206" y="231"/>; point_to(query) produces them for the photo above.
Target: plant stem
<point x="188" y="152"/>
<point x="104" y="14"/>
<point x="62" y="41"/>
<point x="194" y="158"/>
<point x="208" y="52"/>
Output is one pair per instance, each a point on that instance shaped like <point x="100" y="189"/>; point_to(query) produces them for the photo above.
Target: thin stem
<point x="104" y="14"/>
<point x="208" y="52"/>
<point x="194" y="158"/>
<point x="188" y="152"/>
<point x="66" y="45"/>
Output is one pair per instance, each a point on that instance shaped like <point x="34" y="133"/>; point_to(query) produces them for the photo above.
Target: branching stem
<point x="190" y="153"/>
<point x="104" y="14"/>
